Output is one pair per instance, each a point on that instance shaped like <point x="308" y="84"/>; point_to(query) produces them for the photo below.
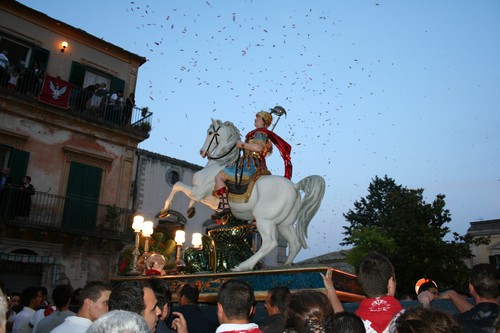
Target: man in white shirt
<point x="93" y="304"/>
<point x="31" y="298"/>
<point x="61" y="297"/>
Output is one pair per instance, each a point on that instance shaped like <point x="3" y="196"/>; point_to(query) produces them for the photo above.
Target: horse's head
<point x="221" y="140"/>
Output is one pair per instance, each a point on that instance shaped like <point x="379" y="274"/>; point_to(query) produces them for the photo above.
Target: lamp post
<point x="147" y="231"/>
<point x="180" y="238"/>
<point x="137" y="226"/>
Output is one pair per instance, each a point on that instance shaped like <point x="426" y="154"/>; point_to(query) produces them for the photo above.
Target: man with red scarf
<point x="376" y="277"/>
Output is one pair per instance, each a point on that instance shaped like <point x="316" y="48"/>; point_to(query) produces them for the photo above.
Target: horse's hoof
<point x="162" y="213"/>
<point x="237" y="269"/>
<point x="190" y="212"/>
<point x="240" y="268"/>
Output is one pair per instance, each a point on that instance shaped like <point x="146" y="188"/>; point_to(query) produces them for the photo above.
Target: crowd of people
<point x="145" y="306"/>
<point x="17" y="76"/>
<point x="96" y="99"/>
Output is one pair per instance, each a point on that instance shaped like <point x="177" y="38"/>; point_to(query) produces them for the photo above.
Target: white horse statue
<point x="275" y="202"/>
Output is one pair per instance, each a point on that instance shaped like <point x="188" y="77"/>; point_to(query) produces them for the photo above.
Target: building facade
<point x="64" y="124"/>
<point x="154" y="179"/>
<point x="489" y="253"/>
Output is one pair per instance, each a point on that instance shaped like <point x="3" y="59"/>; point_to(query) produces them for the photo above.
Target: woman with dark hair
<point x="127" y="109"/>
<point x="426" y="320"/>
<point x="308" y="311"/>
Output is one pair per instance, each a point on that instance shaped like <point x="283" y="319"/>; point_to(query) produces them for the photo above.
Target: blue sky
<point x="408" y="89"/>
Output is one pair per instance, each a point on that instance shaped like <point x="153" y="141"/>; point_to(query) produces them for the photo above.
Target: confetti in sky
<point x="408" y="89"/>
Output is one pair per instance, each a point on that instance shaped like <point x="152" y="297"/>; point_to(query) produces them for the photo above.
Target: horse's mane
<point x="232" y="136"/>
<point x="234" y="132"/>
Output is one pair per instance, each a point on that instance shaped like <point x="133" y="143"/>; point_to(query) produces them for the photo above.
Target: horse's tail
<point x="314" y="189"/>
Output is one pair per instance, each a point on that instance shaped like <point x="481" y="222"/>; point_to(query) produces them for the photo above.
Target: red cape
<point x="283" y="146"/>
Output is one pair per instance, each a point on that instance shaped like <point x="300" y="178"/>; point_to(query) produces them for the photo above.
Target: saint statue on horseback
<point x="236" y="181"/>
<point x="240" y="175"/>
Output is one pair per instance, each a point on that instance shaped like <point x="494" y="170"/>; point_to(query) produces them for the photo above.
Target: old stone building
<point x="155" y="176"/>
<point x="489" y="253"/>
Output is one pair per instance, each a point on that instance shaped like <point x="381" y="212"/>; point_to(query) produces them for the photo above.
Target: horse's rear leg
<point x="294" y="246"/>
<point x="268" y="233"/>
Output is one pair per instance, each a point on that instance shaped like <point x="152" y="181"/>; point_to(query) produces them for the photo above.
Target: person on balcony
<point x="34" y="79"/>
<point x="23" y="197"/>
<point x="4" y="64"/>
<point x="5" y="190"/>
<point x="85" y="95"/>
<point x="127" y="109"/>
<point x="114" y="107"/>
<point x="99" y="94"/>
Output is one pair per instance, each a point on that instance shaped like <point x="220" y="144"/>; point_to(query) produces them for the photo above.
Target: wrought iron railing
<point x="70" y="214"/>
<point x="86" y="103"/>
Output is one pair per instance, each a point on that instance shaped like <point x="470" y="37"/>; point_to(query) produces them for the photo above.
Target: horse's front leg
<point x="178" y="187"/>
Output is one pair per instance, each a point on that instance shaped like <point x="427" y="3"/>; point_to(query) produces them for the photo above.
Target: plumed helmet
<point x="278" y="110"/>
<point x="266" y="116"/>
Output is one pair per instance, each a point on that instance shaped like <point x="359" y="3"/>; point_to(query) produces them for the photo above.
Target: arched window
<point x="172" y="177"/>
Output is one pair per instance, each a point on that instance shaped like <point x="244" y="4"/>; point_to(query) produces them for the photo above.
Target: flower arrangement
<point x="157" y="244"/>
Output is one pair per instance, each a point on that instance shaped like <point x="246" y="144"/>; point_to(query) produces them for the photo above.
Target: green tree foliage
<point x="397" y="222"/>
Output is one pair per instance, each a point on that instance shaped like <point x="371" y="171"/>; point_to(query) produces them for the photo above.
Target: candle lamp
<point x="137" y="226"/>
<point x="180" y="238"/>
<point x="196" y="240"/>
<point x="147" y="231"/>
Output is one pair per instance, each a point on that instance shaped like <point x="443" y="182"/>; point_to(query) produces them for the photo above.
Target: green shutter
<point x="41" y="56"/>
<point x="77" y="74"/>
<point x="76" y="78"/>
<point x="116" y="84"/>
<point x="18" y="164"/>
<point x="82" y="197"/>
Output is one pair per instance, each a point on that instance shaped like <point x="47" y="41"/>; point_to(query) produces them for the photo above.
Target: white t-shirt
<point x="22" y="321"/>
<point x="73" y="324"/>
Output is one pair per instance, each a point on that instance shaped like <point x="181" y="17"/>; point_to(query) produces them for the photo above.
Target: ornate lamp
<point x="196" y="240"/>
<point x="137" y="226"/>
<point x="147" y="231"/>
<point x="180" y="238"/>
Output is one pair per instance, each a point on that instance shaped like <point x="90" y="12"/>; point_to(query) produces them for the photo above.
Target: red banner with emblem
<point x="55" y="92"/>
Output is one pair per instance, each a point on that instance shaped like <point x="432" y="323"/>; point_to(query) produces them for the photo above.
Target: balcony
<point x="86" y="104"/>
<point x="52" y="216"/>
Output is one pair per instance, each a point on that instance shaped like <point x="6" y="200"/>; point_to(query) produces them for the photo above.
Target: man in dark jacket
<point x="275" y="306"/>
<point x="197" y="320"/>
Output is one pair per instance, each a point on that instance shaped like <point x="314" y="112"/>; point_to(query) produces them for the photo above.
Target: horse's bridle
<point x="216" y="137"/>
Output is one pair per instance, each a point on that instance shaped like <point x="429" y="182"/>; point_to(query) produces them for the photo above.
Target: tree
<point x="397" y="222"/>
